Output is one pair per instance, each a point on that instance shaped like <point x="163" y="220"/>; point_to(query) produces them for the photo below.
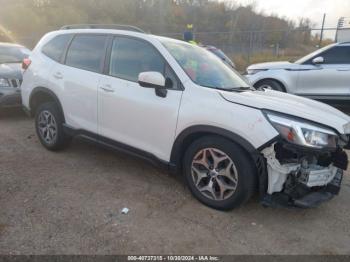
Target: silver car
<point x="322" y="75"/>
<point x="11" y="57"/>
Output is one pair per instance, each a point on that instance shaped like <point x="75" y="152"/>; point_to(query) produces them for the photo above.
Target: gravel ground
<point x="70" y="203"/>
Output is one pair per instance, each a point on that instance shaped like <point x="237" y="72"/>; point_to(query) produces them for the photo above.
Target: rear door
<point x="79" y="77"/>
<point x="131" y="114"/>
<point x="329" y="80"/>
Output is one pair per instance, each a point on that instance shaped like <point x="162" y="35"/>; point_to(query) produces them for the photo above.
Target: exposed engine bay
<point x="302" y="177"/>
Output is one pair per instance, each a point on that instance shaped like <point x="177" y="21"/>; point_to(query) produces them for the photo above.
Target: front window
<point x="205" y="68"/>
<point x="308" y="58"/>
<point x="13" y="54"/>
<point x="337" y="55"/>
<point x="130" y="57"/>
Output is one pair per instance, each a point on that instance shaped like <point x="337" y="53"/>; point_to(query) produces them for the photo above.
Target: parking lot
<point x="70" y="203"/>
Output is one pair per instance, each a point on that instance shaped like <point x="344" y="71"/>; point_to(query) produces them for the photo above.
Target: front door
<point x="330" y="79"/>
<point x="133" y="115"/>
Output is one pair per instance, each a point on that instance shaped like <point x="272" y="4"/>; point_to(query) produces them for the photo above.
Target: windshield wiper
<point x="240" y="88"/>
<point x="234" y="89"/>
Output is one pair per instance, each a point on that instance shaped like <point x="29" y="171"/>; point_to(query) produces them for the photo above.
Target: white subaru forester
<point x="179" y="105"/>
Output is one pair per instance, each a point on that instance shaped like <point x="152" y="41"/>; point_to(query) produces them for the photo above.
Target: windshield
<point x="222" y="55"/>
<point x="204" y="68"/>
<point x="13" y="54"/>
<point x="313" y="54"/>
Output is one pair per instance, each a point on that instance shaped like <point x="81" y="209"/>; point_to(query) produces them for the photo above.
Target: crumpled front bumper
<point x="285" y="181"/>
<point x="314" y="198"/>
<point x="317" y="197"/>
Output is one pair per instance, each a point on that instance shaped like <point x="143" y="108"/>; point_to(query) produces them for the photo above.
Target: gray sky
<point x="313" y="9"/>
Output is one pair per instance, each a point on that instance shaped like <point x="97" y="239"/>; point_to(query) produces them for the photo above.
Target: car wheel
<point x="49" y="127"/>
<point x="219" y="173"/>
<point x="270" y="84"/>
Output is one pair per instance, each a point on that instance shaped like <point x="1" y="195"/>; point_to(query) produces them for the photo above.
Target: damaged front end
<point x="303" y="167"/>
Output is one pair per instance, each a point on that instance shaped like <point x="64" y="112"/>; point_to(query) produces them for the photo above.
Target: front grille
<point x="15" y="83"/>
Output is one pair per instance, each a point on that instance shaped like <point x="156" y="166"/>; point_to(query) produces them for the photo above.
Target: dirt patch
<point x="70" y="203"/>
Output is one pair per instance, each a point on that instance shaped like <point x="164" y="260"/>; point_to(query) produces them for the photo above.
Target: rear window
<point x="56" y="47"/>
<point x="87" y="52"/>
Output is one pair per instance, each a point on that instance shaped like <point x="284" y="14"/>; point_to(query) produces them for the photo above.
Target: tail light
<point x="26" y="63"/>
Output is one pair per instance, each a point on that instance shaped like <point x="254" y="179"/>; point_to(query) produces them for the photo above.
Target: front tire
<point x="219" y="173"/>
<point x="270" y="84"/>
<point x="49" y="127"/>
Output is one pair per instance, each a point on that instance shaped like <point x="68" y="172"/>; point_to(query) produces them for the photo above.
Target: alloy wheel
<point x="214" y="174"/>
<point x="47" y="127"/>
<point x="265" y="86"/>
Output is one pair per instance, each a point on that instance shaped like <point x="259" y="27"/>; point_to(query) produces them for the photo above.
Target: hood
<point x="274" y="65"/>
<point x="11" y="71"/>
<point x="292" y="105"/>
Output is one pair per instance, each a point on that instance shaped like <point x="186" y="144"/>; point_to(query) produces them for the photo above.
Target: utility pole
<point x="321" y="36"/>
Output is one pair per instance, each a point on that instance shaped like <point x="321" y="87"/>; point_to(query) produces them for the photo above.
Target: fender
<point x="187" y="136"/>
<point x="48" y="92"/>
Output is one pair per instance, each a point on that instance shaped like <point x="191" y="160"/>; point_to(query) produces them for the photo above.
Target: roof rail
<point x="101" y="26"/>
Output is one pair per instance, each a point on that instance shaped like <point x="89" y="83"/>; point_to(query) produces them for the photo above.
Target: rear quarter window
<point x="87" y="52"/>
<point x="56" y="47"/>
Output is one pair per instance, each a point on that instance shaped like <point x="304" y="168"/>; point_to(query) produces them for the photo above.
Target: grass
<point x="242" y="61"/>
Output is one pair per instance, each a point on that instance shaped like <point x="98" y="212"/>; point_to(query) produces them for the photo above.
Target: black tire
<point x="60" y="140"/>
<point x="270" y="84"/>
<point x="246" y="172"/>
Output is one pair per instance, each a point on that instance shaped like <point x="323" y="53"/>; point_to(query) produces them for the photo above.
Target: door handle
<point x="107" y="88"/>
<point x="58" y="75"/>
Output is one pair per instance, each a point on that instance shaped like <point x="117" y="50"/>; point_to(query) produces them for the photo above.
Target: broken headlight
<point x="303" y="133"/>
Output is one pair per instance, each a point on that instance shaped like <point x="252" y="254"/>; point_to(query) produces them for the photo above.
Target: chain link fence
<point x="247" y="47"/>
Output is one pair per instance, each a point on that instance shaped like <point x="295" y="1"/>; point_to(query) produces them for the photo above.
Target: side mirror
<point x="318" y="60"/>
<point x="152" y="80"/>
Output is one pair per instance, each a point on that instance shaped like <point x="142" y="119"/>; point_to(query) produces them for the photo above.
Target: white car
<point x="179" y="105"/>
<point x="323" y="75"/>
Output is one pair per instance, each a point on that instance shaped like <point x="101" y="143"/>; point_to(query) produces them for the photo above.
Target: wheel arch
<point x="190" y="134"/>
<point x="41" y="95"/>
<point x="280" y="82"/>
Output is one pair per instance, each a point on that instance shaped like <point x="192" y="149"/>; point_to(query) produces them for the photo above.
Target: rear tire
<point x="269" y="84"/>
<point x="219" y="173"/>
<point x="49" y="127"/>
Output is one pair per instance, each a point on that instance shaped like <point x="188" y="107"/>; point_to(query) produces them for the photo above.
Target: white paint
<point x="153" y="78"/>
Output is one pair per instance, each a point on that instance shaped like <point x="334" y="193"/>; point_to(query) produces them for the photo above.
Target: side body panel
<point x="36" y="75"/>
<point x="323" y="80"/>
<point x="288" y="78"/>
<point x="77" y="91"/>
<point x="213" y="110"/>
<point x="136" y="116"/>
